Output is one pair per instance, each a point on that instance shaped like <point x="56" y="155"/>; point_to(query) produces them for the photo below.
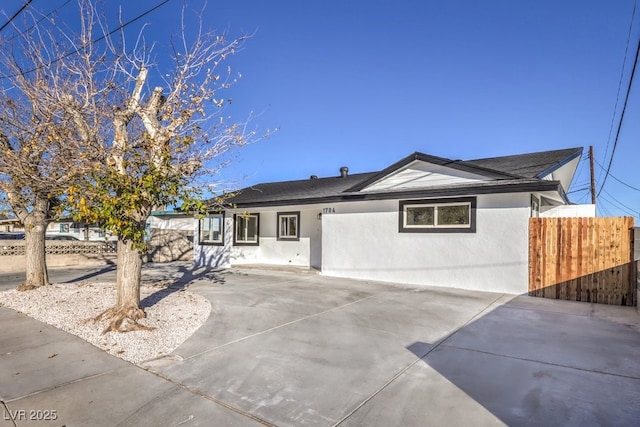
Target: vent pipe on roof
<point x="344" y="172"/>
<point x="313" y="177"/>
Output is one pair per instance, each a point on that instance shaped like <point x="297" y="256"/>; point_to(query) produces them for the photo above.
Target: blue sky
<point x="365" y="83"/>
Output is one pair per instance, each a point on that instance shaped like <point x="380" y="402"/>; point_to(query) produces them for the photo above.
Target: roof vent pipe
<point x="313" y="177"/>
<point x="344" y="172"/>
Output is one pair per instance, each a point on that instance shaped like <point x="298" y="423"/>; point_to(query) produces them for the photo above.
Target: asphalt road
<point x="63" y="275"/>
<point x="175" y="272"/>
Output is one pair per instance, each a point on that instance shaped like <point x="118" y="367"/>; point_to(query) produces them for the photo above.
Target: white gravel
<point x="175" y="313"/>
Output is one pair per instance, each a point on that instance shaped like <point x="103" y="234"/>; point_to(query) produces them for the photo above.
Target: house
<point x="10" y="225"/>
<point x="169" y="236"/>
<point x="62" y="229"/>
<point x="68" y="229"/>
<point x="424" y="220"/>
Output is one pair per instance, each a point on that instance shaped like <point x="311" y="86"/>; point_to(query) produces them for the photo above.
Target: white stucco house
<point x="169" y="235"/>
<point x="424" y="220"/>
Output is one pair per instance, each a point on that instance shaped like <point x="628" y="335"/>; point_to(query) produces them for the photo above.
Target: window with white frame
<point x="288" y="225"/>
<point x="212" y="229"/>
<point x="438" y="215"/>
<point x="247" y="228"/>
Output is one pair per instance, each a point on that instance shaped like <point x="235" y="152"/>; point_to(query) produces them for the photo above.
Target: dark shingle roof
<point x="524" y="170"/>
<point x="531" y="165"/>
<point x="297" y="190"/>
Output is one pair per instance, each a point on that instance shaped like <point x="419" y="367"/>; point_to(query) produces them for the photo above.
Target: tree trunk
<point x="129" y="275"/>
<point x="124" y="316"/>
<point x="35" y="227"/>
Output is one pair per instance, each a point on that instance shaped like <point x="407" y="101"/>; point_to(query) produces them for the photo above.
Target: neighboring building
<point x="170" y="236"/>
<point x="424" y="220"/>
<point x="68" y="229"/>
<point x="62" y="229"/>
<point x="10" y="225"/>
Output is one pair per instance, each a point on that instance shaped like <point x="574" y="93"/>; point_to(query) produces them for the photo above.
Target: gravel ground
<point x="175" y="313"/>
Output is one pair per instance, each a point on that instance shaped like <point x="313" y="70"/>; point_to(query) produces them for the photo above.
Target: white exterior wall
<point x="361" y="240"/>
<point x="305" y="252"/>
<point x="569" y="211"/>
<point x="420" y="175"/>
<point x="214" y="256"/>
<point x="170" y="222"/>
<point x="271" y="250"/>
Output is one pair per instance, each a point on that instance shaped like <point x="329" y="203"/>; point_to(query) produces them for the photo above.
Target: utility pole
<point x="593" y="178"/>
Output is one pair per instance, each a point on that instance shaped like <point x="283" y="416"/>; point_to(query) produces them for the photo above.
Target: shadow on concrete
<point x="615" y="285"/>
<point x="106" y="269"/>
<point x="539" y="364"/>
<point x="185" y="277"/>
<point x="169" y="246"/>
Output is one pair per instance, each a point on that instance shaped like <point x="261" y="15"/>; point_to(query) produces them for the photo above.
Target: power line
<point x="617" y="202"/>
<point x="45" y="16"/>
<point x="624" y="109"/>
<point x="583" y="198"/>
<point x="603" y="210"/>
<point x="621" y="182"/>
<point x="619" y="205"/>
<point x="615" y="108"/>
<point x="104" y="36"/>
<point x="578" y="190"/>
<point x="15" y="15"/>
<point x="625" y="184"/>
<point x="582" y="161"/>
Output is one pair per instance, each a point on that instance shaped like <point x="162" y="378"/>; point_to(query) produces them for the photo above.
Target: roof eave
<point x="577" y="153"/>
<point x="440" y="161"/>
<point x="541" y="185"/>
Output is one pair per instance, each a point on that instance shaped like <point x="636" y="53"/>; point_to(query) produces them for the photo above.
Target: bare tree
<point x="167" y="129"/>
<point x="40" y="153"/>
<point x="105" y="132"/>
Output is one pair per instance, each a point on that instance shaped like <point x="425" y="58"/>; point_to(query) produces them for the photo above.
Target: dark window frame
<point x="472" y="201"/>
<point x="288" y="238"/>
<point x="235" y="230"/>
<point x="211" y="243"/>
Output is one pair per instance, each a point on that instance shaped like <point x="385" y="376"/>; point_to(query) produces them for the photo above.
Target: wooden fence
<point x="582" y="259"/>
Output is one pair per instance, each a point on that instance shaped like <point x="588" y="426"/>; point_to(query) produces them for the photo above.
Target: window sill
<point x="211" y="243"/>
<point x="246" y="243"/>
<point x="438" y="230"/>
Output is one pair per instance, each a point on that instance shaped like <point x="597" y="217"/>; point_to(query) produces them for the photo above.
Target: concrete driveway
<point x="295" y="348"/>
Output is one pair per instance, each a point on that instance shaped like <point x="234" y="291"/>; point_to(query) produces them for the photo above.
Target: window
<point x="64" y="228"/>
<point x="212" y="229"/>
<point x="246" y="229"/>
<point x="288" y="225"/>
<point x="438" y="215"/>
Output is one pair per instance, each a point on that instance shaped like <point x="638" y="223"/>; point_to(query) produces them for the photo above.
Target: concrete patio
<point x="292" y="348"/>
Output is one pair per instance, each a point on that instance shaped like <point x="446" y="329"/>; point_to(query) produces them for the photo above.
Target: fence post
<point x="636" y="269"/>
